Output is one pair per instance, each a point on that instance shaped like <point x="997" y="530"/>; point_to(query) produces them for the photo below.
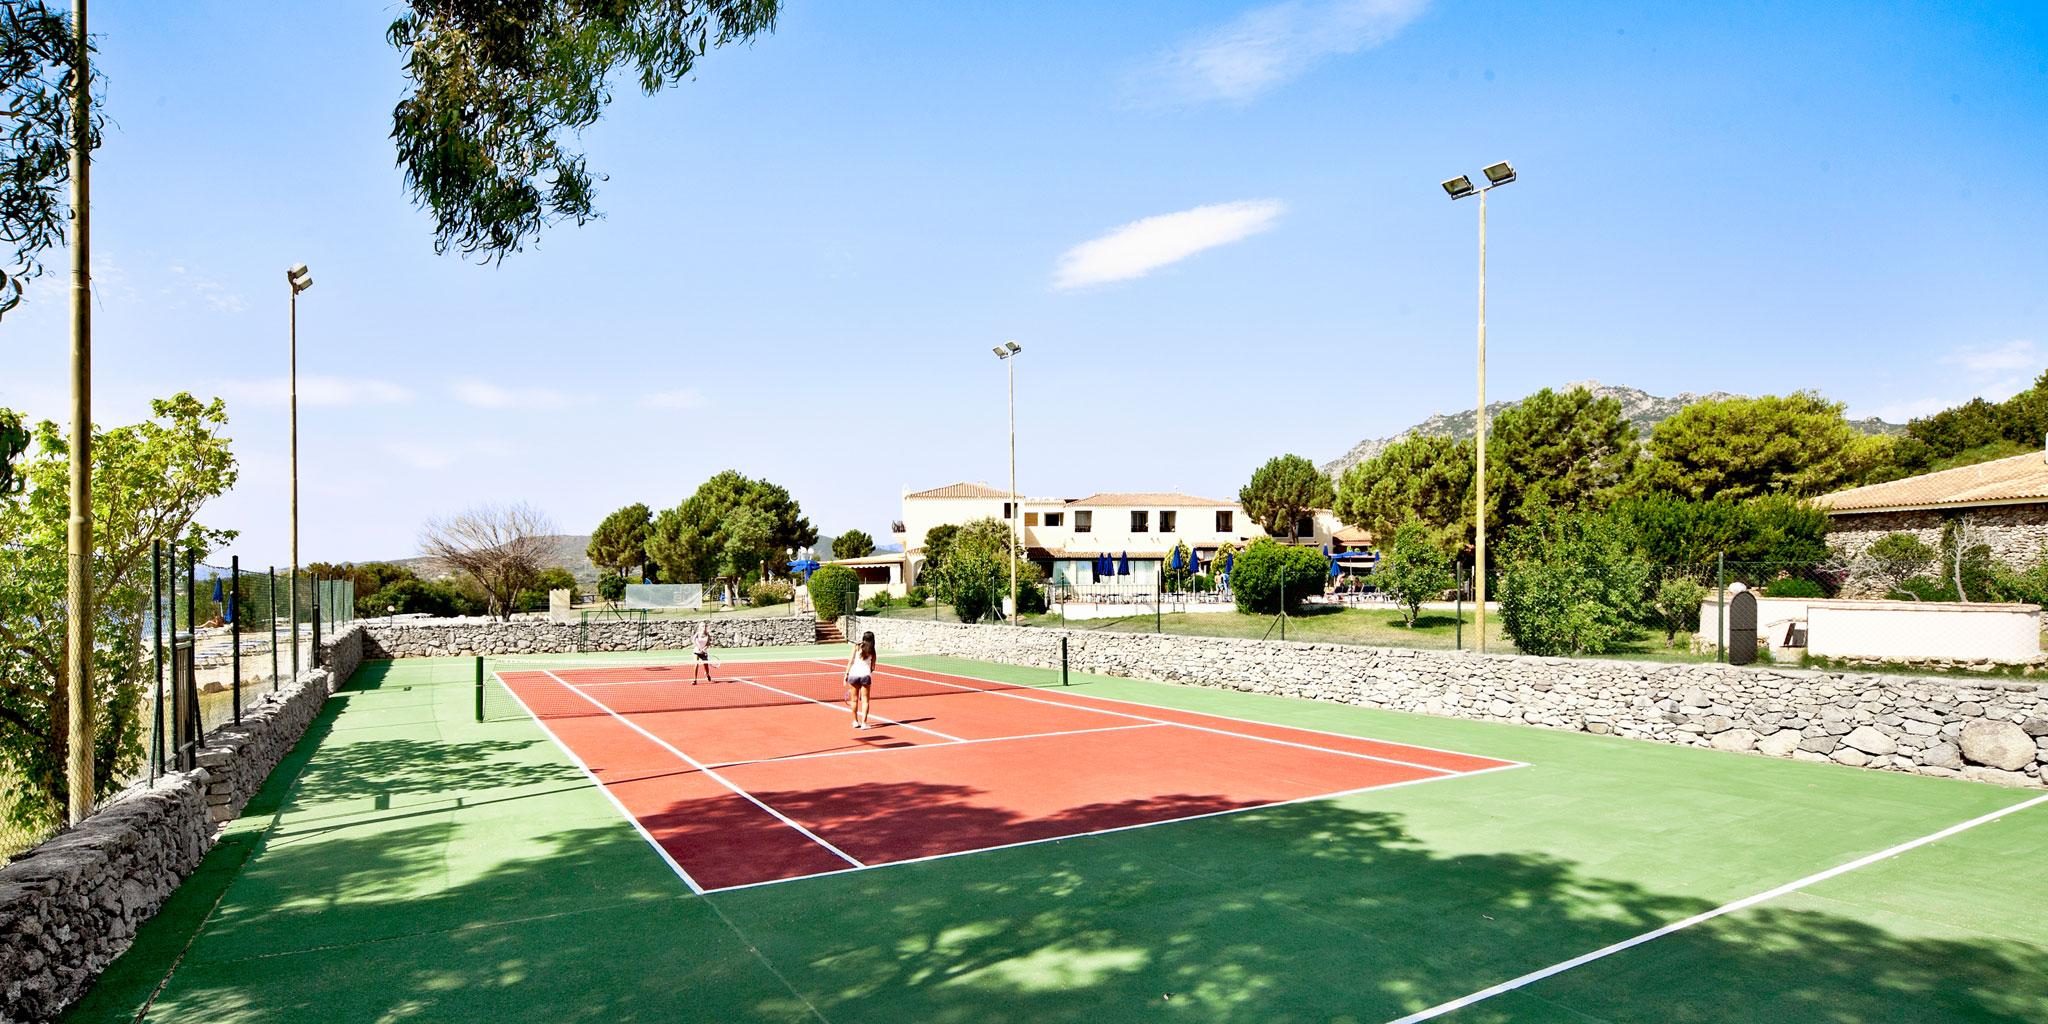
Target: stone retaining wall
<point x="484" y="636"/>
<point x="73" y="904"/>
<point x="2016" y="534"/>
<point x="1992" y="731"/>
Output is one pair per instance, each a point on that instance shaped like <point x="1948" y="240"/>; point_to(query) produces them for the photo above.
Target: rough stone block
<point x="2000" y="745"/>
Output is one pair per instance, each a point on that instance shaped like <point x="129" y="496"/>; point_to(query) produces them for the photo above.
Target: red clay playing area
<point x="759" y="778"/>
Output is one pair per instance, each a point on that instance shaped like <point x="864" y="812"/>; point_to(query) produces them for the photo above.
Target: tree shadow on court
<point x="1323" y="912"/>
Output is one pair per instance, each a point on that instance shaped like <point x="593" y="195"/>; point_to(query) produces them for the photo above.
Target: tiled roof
<point x="1352" y="535"/>
<point x="1148" y="498"/>
<point x="2018" y="480"/>
<point x="961" y="490"/>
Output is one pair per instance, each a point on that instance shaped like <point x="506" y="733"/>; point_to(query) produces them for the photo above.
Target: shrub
<point x="1267" y="568"/>
<point x="918" y="596"/>
<point x="534" y="598"/>
<point x="767" y="592"/>
<point x="834" y="589"/>
<point x="611" y="585"/>
<point x="1571" y="585"/>
<point x="1896" y="557"/>
<point x="1793" y="586"/>
<point x="1678" y="605"/>
<point x="877" y="601"/>
<point x="1414" y="569"/>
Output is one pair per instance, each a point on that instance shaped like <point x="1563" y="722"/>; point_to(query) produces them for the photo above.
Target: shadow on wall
<point x="1309" y="912"/>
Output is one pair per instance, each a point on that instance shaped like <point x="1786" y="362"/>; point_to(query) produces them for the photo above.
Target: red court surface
<point x="759" y="777"/>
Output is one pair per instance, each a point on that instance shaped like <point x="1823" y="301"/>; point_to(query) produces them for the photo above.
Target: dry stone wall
<point x="1991" y="731"/>
<point x="73" y="904"/>
<point x="490" y="637"/>
<point x="2017" y="536"/>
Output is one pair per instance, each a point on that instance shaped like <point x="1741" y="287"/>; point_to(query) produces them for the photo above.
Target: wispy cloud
<point x="431" y="455"/>
<point x="315" y="390"/>
<point x="187" y="284"/>
<point x="1996" y="359"/>
<point x="1991" y="372"/>
<point x="1265" y="48"/>
<point x="680" y="398"/>
<point x="486" y="395"/>
<point x="1142" y="246"/>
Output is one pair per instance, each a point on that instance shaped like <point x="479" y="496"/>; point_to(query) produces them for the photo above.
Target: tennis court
<point x="1025" y="854"/>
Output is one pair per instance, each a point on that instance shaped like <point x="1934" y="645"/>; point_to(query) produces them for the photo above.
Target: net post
<point x="1063" y="660"/>
<point x="234" y="613"/>
<point x="479" y="687"/>
<point x="1721" y="607"/>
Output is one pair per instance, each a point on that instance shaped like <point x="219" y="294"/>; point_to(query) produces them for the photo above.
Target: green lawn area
<point x="407" y="863"/>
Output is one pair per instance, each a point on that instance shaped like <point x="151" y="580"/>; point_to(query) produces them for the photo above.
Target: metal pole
<point x="78" y="596"/>
<point x="1721" y="607"/>
<point x="1063" y="662"/>
<point x="271" y="581"/>
<point x="179" y="712"/>
<point x="1015" y="550"/>
<point x="234" y="613"/>
<point x="315" y="660"/>
<point x="1460" y="615"/>
<point x="1479" y="560"/>
<point x="479" y="688"/>
<point x="1283" y="607"/>
<point x="192" y="618"/>
<point x="156" y="615"/>
<point x="1158" y="599"/>
<point x="295" y="471"/>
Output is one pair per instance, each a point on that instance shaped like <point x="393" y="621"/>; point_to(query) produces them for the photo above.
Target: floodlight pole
<point x="78" y="596"/>
<point x="1014" y="609"/>
<point x="294" y="286"/>
<point x="1479" y="555"/>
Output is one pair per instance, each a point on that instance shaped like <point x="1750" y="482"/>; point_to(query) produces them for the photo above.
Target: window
<point x="1168" y="521"/>
<point x="1083" y="521"/>
<point x="1223" y="522"/>
<point x="1305" y="526"/>
<point x="1055" y="519"/>
<point x="1140" y="522"/>
<point x="1031" y="519"/>
<point x="1006" y="511"/>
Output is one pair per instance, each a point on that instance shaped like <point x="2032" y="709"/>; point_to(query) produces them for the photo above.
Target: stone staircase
<point x="829" y="633"/>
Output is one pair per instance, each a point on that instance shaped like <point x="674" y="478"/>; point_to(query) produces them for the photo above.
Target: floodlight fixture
<point x="299" y="277"/>
<point x="1000" y="354"/>
<point x="1459" y="187"/>
<point x="1500" y="173"/>
<point x="1013" y="347"/>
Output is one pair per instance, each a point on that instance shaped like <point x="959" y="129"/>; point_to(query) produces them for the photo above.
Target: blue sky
<point x="1215" y="228"/>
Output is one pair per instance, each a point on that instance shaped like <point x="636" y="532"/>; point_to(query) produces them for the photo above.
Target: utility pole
<point x="78" y="596"/>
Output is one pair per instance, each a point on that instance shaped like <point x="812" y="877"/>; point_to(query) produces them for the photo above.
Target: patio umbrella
<point x="1229" y="562"/>
<point x="1176" y="559"/>
<point x="1333" y="564"/>
<point x="1123" y="564"/>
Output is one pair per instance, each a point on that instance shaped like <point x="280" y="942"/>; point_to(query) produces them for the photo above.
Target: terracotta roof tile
<point x="2017" y="480"/>
<point x="961" y="490"/>
<point x="1163" y="499"/>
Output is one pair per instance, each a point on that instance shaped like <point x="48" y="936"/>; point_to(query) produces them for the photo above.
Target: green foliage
<point x="149" y="480"/>
<point x="1282" y="490"/>
<point x="1677" y="604"/>
<point x="918" y="596"/>
<point x="427" y="597"/>
<point x="1572" y="584"/>
<point x="2027" y="586"/>
<point x="13" y="442"/>
<point x="1557" y="451"/>
<point x="877" y="601"/>
<point x="768" y="592"/>
<point x="1976" y="431"/>
<point x="1896" y="557"/>
<point x="534" y="597"/>
<point x="976" y="572"/>
<point x="367" y="577"/>
<point x="853" y="544"/>
<point x="499" y="92"/>
<point x="1416" y="479"/>
<point x="620" y="542"/>
<point x="727" y="529"/>
<point x="611" y="586"/>
<point x="1794" y="586"/>
<point x="1414" y="569"/>
<point x="1678" y="531"/>
<point x="39" y="66"/>
<point x="1795" y="444"/>
<point x="834" y="589"/>
<point x="938" y="542"/>
<point x="1267" y="569"/>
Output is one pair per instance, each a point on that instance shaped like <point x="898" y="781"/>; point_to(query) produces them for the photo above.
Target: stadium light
<point x="299" y="279"/>
<point x="1005" y="352"/>
<point x="1497" y="174"/>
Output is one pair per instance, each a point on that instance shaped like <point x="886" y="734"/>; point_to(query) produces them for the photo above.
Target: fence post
<point x="313" y="658"/>
<point x="1721" y="607"/>
<point x="270" y="584"/>
<point x="1063" y="660"/>
<point x="234" y="613"/>
<point x="192" y="623"/>
<point x="1283" y="607"/>
<point x="1158" y="599"/>
<point x="156" y="613"/>
<point x="178" y="710"/>
<point x="1459" y="629"/>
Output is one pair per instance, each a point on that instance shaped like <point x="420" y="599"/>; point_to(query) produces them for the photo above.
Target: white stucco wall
<point x="1899" y="630"/>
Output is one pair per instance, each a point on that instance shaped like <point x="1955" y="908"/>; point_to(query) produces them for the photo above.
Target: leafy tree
<point x="38" y="73"/>
<point x="534" y="598"/>
<point x="1896" y="557"/>
<point x="834" y="589"/>
<point x="938" y="542"/>
<point x="1678" y="605"/>
<point x="853" y="544"/>
<point x="1572" y="583"/>
<point x="499" y="91"/>
<point x="1267" y="570"/>
<point x="611" y="586"/>
<point x="149" y="481"/>
<point x="1414" y="569"/>
<point x="976" y="573"/>
<point x="367" y="577"/>
<point x="1561" y="451"/>
<point x="13" y="442"/>
<point x="1415" y="479"/>
<point x="1775" y="533"/>
<point x="1795" y="444"/>
<point x="427" y="597"/>
<point x="1282" y="489"/>
<point x="702" y="540"/>
<point x="620" y="542"/>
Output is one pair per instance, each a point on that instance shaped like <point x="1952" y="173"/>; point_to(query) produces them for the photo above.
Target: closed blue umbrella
<point x="1123" y="564"/>
<point x="1176" y="559"/>
<point x="1333" y="568"/>
<point x="1229" y="562"/>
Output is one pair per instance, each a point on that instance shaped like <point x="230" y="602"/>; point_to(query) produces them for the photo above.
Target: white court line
<point x="1204" y="728"/>
<point x="602" y="788"/>
<point x="829" y="707"/>
<point x="934" y="746"/>
<point x="1119" y="828"/>
<point x="1234" y="718"/>
<point x="1727" y="908"/>
<point x="722" y="780"/>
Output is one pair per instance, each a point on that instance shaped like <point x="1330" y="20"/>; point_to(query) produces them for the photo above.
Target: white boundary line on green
<point x="1727" y="908"/>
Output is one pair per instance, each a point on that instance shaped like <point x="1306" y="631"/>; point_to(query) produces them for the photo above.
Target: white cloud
<point x="1996" y="359"/>
<point x="1265" y="48"/>
<point x="486" y="395"/>
<point x="1142" y="246"/>
<point x="315" y="389"/>
<point x="430" y="455"/>
<point x="680" y="398"/>
<point x="1991" y="372"/>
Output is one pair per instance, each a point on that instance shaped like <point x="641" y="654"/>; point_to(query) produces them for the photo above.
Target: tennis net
<point x="516" y="688"/>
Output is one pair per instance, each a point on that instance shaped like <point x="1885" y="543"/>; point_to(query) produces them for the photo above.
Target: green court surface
<point x="408" y="863"/>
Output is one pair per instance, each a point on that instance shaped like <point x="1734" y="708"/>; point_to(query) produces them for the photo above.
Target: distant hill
<point x="1643" y="410"/>
<point x="565" y="550"/>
